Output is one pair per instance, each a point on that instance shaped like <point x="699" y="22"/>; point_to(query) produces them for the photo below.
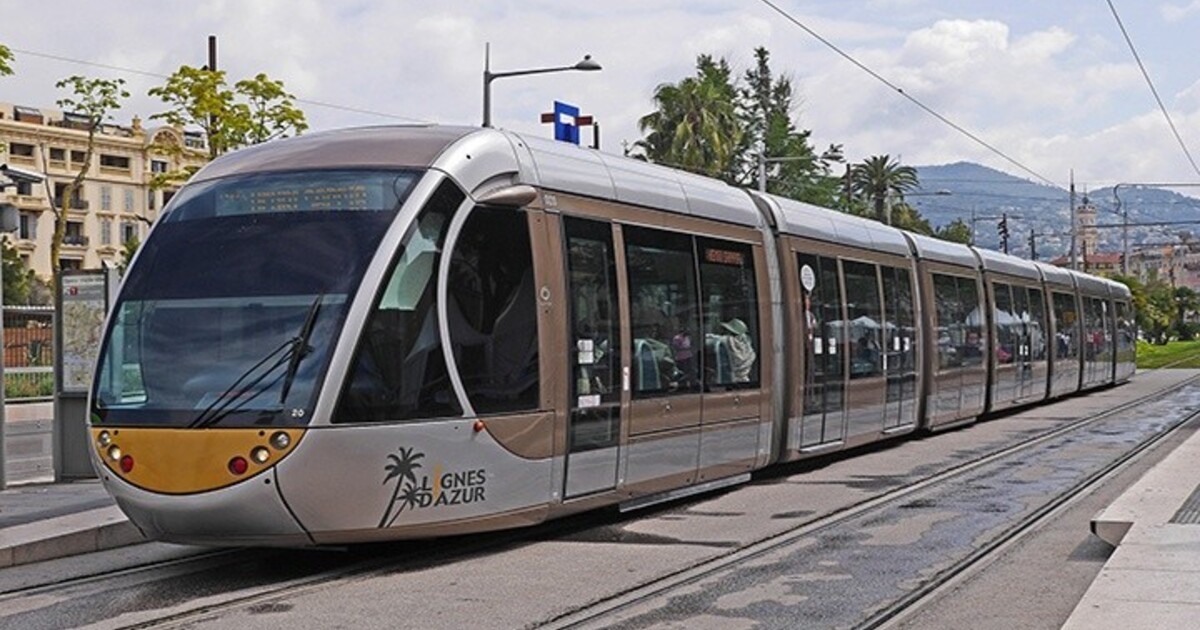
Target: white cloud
<point x="1177" y="12"/>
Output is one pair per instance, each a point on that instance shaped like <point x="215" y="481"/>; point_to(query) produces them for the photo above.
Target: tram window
<point x="949" y="333"/>
<point x="492" y="311"/>
<point x="864" y="323"/>
<point x="970" y="315"/>
<point x="1008" y="332"/>
<point x="960" y="339"/>
<point x="1037" y="325"/>
<point x="731" y="339"/>
<point x="904" y="319"/>
<point x="1066" y="343"/>
<point x="399" y="371"/>
<point x="823" y="357"/>
<point x="664" y="318"/>
<point x="596" y="354"/>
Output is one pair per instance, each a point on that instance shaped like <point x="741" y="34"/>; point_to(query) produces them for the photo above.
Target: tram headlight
<point x="114" y="452"/>
<point x="260" y="455"/>
<point x="104" y="438"/>
<point x="280" y="440"/>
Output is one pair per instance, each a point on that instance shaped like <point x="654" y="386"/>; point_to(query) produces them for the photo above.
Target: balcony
<point x="76" y="204"/>
<point x="75" y="240"/>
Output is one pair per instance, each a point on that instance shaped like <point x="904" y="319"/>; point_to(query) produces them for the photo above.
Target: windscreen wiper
<point x="300" y="347"/>
<point x="234" y="397"/>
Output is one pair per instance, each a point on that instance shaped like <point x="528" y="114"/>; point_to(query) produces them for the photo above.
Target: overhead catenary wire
<point x="158" y="75"/>
<point x="1153" y="90"/>
<point x="915" y="101"/>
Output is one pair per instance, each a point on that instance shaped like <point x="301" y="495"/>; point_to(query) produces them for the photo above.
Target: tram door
<point x="594" y="426"/>
<point x="824" y="342"/>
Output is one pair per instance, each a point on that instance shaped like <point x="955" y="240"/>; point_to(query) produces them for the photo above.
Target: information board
<point x="84" y="304"/>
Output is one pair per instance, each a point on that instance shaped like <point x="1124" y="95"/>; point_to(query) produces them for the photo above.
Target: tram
<point x="416" y="331"/>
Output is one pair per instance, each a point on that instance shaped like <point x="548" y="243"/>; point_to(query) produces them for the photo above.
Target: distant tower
<point x="1089" y="237"/>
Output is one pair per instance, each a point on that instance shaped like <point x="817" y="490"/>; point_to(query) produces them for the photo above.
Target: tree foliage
<point x="717" y="125"/>
<point x="957" y="231"/>
<point x="5" y="61"/>
<point x="95" y="100"/>
<point x="879" y="177"/>
<point x="21" y="284"/>
<point x="252" y="111"/>
<point x="127" y="252"/>
<point x="695" y="125"/>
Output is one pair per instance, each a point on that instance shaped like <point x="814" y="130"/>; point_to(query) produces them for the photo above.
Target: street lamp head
<point x="587" y="64"/>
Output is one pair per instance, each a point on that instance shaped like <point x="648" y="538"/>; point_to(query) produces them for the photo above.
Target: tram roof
<point x="396" y="146"/>
<point x="1089" y="284"/>
<point x="1056" y="275"/>
<point x="806" y="220"/>
<point x="999" y="262"/>
<point x="569" y="168"/>
<point x="929" y="248"/>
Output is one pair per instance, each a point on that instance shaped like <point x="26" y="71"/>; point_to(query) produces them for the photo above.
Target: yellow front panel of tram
<point x="186" y="461"/>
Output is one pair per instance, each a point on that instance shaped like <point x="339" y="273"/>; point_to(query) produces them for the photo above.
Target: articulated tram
<point x="404" y="332"/>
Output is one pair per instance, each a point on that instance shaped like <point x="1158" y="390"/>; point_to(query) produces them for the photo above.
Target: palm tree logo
<point x="402" y="468"/>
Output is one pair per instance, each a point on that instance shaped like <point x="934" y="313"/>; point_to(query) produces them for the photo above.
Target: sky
<point x="1053" y="85"/>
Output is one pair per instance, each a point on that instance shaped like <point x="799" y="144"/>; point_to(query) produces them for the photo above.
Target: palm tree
<point x="401" y="469"/>
<point x="879" y="176"/>
<point x="695" y="125"/>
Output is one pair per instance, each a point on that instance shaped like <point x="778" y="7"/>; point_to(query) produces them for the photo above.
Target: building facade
<point x="117" y="202"/>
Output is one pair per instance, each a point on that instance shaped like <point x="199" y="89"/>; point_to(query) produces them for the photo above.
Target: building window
<point x="27" y="227"/>
<point x="167" y="196"/>
<point x="128" y="200"/>
<point x="114" y="161"/>
<point x="78" y="157"/>
<point x="158" y="166"/>
<point x="106" y="198"/>
<point x="58" y="155"/>
<point x="70" y="263"/>
<point x="150" y="199"/>
<point x="74" y="234"/>
<point x="19" y="149"/>
<point x="106" y="231"/>
<point x="24" y="188"/>
<point x="129" y="231"/>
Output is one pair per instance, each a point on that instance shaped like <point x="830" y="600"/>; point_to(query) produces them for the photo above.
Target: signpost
<point x="567" y="121"/>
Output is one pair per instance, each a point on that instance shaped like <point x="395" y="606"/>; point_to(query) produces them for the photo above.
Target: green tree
<point x="879" y="177"/>
<point x="5" y="61"/>
<point x="695" y="125"/>
<point x="127" y="252"/>
<point x="252" y="111"/>
<point x="1187" y="303"/>
<point x="19" y="281"/>
<point x="95" y="100"/>
<point x="957" y="231"/>
<point x="766" y="104"/>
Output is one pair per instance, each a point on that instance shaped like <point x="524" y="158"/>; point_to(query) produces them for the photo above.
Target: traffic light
<point x="1003" y="229"/>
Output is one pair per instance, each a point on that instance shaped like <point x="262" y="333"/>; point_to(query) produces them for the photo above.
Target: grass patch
<point x="1177" y="354"/>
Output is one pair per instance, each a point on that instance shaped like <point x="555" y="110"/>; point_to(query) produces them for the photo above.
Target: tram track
<point x="600" y="611"/>
<point x="344" y="569"/>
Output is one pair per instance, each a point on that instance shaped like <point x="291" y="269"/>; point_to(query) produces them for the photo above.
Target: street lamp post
<point x="586" y="64"/>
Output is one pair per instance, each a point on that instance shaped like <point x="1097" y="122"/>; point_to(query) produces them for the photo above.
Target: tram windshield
<point x="230" y="315"/>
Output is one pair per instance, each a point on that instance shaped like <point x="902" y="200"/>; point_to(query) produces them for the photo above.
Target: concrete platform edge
<point x="84" y="532"/>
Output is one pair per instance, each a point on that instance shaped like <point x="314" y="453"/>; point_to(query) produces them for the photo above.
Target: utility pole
<point x="1032" y="244"/>
<point x="1074" y="262"/>
<point x="1003" y="229"/>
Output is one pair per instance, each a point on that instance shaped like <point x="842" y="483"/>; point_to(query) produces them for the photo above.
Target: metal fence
<point x="28" y="352"/>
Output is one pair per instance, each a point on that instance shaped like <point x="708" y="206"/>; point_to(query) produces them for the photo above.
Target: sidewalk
<point x="45" y="521"/>
<point x="1152" y="579"/>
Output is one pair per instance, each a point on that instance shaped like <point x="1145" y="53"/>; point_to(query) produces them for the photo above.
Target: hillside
<point x="1044" y="209"/>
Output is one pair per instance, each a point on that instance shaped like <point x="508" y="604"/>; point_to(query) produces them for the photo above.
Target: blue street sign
<point x="565" y="128"/>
